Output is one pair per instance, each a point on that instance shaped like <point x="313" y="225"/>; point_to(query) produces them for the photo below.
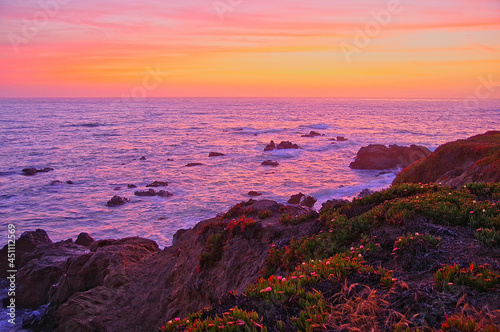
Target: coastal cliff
<point x="414" y="256"/>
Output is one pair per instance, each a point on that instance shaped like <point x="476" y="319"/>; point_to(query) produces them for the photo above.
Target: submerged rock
<point x="194" y="164"/>
<point x="313" y="134"/>
<point x="216" y="154"/>
<point x="379" y="157"/>
<point x="157" y="184"/>
<point x="32" y="170"/>
<point x="152" y="193"/>
<point x="341" y="139"/>
<point x="270" y="163"/>
<point x="254" y="193"/>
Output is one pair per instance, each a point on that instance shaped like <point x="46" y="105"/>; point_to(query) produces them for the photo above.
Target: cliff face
<point x="476" y="159"/>
<point x="130" y="285"/>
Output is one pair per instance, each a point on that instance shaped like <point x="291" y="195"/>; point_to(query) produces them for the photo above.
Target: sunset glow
<point x="66" y="48"/>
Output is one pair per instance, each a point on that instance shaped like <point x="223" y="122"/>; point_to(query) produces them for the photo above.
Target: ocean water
<point x="97" y="144"/>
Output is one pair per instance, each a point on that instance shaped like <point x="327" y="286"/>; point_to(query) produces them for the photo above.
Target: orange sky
<point x="316" y="48"/>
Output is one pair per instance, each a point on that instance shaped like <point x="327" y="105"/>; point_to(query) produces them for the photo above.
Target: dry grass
<point x="359" y="308"/>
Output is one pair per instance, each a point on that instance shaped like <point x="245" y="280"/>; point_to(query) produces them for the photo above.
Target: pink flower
<point x="361" y="247"/>
<point x="177" y="319"/>
<point x="268" y="289"/>
<point x="280" y="278"/>
<point x="471" y="212"/>
<point x="294" y="277"/>
<point x="314" y="274"/>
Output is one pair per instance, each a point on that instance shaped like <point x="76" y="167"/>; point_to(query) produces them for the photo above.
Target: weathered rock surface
<point x="308" y="201"/>
<point x="84" y="239"/>
<point x="128" y="285"/>
<point x="377" y="156"/>
<point x="476" y="159"/>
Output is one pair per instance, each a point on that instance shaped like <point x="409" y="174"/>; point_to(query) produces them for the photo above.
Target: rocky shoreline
<point x="131" y="285"/>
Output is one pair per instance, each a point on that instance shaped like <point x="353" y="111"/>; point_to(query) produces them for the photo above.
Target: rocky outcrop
<point x="254" y="193"/>
<point x="377" y="156"/>
<point x="128" y="285"/>
<point x="476" y="159"/>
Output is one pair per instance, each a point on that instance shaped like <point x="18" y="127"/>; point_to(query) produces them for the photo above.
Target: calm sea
<point x="97" y="144"/>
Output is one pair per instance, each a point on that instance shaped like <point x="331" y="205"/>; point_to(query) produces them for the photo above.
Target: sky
<point x="250" y="48"/>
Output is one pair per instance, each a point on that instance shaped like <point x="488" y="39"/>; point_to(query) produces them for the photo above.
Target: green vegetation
<point x="339" y="280"/>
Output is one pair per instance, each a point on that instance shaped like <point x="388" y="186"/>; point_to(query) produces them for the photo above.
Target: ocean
<point x="98" y="144"/>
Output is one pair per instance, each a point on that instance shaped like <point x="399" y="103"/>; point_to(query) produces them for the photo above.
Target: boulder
<point x="295" y="199"/>
<point x="270" y="147"/>
<point x="157" y="184"/>
<point x="334" y="204"/>
<point x="69" y="182"/>
<point x="308" y="201"/>
<point x="117" y="201"/>
<point x="254" y="193"/>
<point x="476" y="159"/>
<point x="379" y="157"/>
<point x="341" y="139"/>
<point x="313" y="134"/>
<point x="194" y="164"/>
<point x="270" y="163"/>
<point x="55" y="183"/>
<point x="216" y="154"/>
<point x="164" y="193"/>
<point x="131" y="186"/>
<point x="365" y="192"/>
<point x="84" y="239"/>
<point x="142" y="158"/>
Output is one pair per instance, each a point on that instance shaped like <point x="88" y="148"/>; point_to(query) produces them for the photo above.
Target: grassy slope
<point x="410" y="258"/>
<point x="478" y="155"/>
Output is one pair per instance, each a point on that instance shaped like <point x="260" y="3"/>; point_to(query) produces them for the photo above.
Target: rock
<point x="194" y="164"/>
<point x="69" y="182"/>
<point x="117" y="188"/>
<point x="334" y="204"/>
<point x="270" y="163"/>
<point x="40" y="269"/>
<point x="126" y="287"/>
<point x="270" y="147"/>
<point x="254" y="193"/>
<point x="308" y="201"/>
<point x="283" y="145"/>
<point x="476" y="159"/>
<point x="142" y="158"/>
<point x="365" y="192"/>
<point x="84" y="239"/>
<point x="117" y="201"/>
<point x="55" y="183"/>
<point x="313" y="134"/>
<point x="341" y="139"/>
<point x="157" y="184"/>
<point x="150" y="192"/>
<point x="216" y="154"/>
<point x="379" y="157"/>
<point x="287" y="145"/>
<point x="178" y="234"/>
<point x="131" y="186"/>
<point x="32" y="171"/>
<point x="163" y="193"/>
<point x="295" y="199"/>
